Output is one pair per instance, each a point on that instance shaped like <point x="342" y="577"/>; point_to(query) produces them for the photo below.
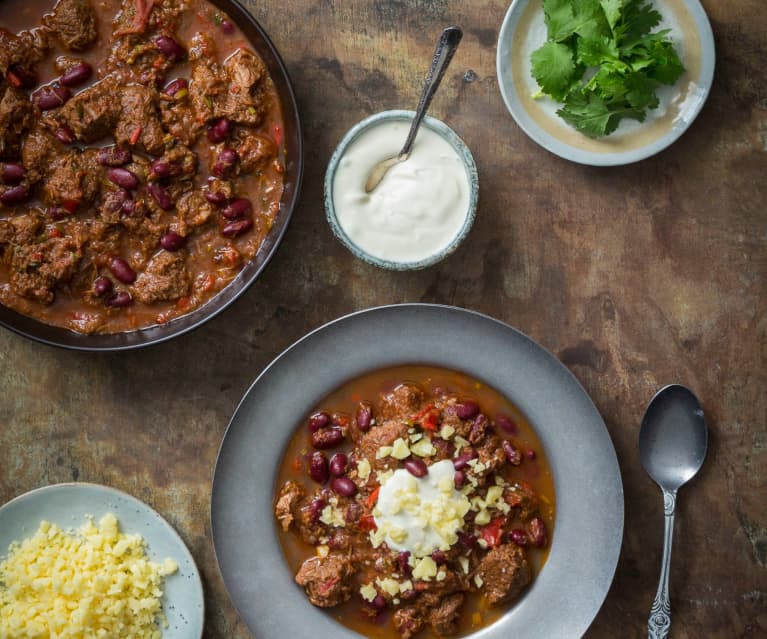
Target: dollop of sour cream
<point x="419" y="207"/>
<point x="420" y="515"/>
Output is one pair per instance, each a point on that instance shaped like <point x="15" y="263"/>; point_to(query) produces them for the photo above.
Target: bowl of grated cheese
<point x="84" y="560"/>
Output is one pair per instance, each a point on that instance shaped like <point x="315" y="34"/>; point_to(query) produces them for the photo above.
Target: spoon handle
<point x="659" y="623"/>
<point x="446" y="47"/>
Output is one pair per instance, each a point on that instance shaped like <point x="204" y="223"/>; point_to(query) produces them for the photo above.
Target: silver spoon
<point x="672" y="446"/>
<point x="448" y="43"/>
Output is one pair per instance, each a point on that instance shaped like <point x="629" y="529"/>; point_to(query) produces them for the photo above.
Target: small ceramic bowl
<point x="448" y="135"/>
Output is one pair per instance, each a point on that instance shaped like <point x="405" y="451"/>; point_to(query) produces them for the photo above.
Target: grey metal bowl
<point x="452" y="138"/>
<point x="56" y="336"/>
<point x="588" y="528"/>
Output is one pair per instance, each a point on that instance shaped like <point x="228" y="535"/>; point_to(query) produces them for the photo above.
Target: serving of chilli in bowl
<point x="150" y="158"/>
<point x="415" y="501"/>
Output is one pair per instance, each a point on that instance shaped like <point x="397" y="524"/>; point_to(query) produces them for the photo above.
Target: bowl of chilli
<point x="151" y="162"/>
<point x="422" y="471"/>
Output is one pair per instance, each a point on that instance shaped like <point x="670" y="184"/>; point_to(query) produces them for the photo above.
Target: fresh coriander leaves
<point x="603" y="62"/>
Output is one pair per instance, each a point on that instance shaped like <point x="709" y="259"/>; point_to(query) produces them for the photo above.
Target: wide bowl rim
<point x="591" y="158"/>
<point x="447" y="133"/>
<point x="50" y="335"/>
<point x="587" y="568"/>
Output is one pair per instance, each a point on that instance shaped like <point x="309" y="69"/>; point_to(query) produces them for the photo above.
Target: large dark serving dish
<point x="293" y="147"/>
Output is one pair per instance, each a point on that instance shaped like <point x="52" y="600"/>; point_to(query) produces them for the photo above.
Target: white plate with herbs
<point x="605" y="82"/>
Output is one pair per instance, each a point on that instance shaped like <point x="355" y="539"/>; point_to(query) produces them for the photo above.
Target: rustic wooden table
<point x="634" y="277"/>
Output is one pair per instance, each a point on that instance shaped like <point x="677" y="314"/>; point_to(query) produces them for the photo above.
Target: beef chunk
<point x="93" y="113"/>
<point x="402" y="402"/>
<point x="238" y="95"/>
<point x="38" y="153"/>
<point x="255" y="152"/>
<point x="36" y="268"/>
<point x="25" y="49"/>
<point x="15" y="117"/>
<point x="444" y="616"/>
<point x="72" y="179"/>
<point x="73" y="23"/>
<point x="408" y="621"/>
<point x="491" y="455"/>
<point x="288" y="504"/>
<point x="180" y="120"/>
<point x="327" y="580"/>
<point x="165" y="278"/>
<point x="505" y="573"/>
<point x="383" y="434"/>
<point x="194" y="209"/>
<point x="245" y="101"/>
<point x="183" y="159"/>
<point x="21" y="229"/>
<point x="138" y="110"/>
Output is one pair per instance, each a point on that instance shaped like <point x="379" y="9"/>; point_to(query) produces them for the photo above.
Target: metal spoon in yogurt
<point x="443" y="54"/>
<point x="672" y="446"/>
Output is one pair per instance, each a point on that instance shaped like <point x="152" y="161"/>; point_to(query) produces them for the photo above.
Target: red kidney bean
<point x="364" y="416"/>
<point x="65" y="134"/>
<point x="122" y="270"/>
<point x="102" y="286"/>
<point x="170" y="47"/>
<point x="519" y="537"/>
<point x="459" y="479"/>
<point x="506" y="424"/>
<point x="128" y="208"/>
<point x="537" y="531"/>
<point x="315" y="510"/>
<point x="123" y="177"/>
<point x="161" y="196"/>
<point x="14" y="195"/>
<point x="378" y="603"/>
<point x="353" y="512"/>
<point x="57" y="213"/>
<point x="237" y="208"/>
<point x="530" y="454"/>
<point x="462" y="461"/>
<point x="327" y="438"/>
<point x="478" y="429"/>
<point x="215" y="197"/>
<point x="172" y="241"/>
<point x="227" y="27"/>
<point x="120" y="300"/>
<point x="114" y="156"/>
<point x="467" y="540"/>
<point x="220" y="130"/>
<point x="338" y="464"/>
<point x="164" y="169"/>
<point x="344" y="486"/>
<point x="318" y="467"/>
<point x="403" y="563"/>
<point x="467" y="410"/>
<point x="513" y="456"/>
<point x="19" y="77"/>
<point x="13" y="172"/>
<point x="233" y="229"/>
<point x="76" y="75"/>
<point x="318" y="420"/>
<point x="225" y="162"/>
<point x="51" y="97"/>
<point x="416" y="467"/>
<point x="439" y="557"/>
<point x="175" y="86"/>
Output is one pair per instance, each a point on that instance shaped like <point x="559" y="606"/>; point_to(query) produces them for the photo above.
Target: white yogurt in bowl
<point x="422" y="208"/>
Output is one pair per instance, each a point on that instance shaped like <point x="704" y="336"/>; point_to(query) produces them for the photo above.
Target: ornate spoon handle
<point x="659" y="623"/>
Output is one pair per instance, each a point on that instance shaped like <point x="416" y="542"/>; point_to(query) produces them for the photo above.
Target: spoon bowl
<point x="672" y="446"/>
<point x="673" y="438"/>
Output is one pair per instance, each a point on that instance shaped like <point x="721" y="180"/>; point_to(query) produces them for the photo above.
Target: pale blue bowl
<point x="471" y="172"/>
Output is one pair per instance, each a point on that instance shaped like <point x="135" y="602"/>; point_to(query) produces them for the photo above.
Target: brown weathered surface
<point x="635" y="277"/>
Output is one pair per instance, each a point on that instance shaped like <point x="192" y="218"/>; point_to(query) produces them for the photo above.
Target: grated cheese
<point x="96" y="582"/>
